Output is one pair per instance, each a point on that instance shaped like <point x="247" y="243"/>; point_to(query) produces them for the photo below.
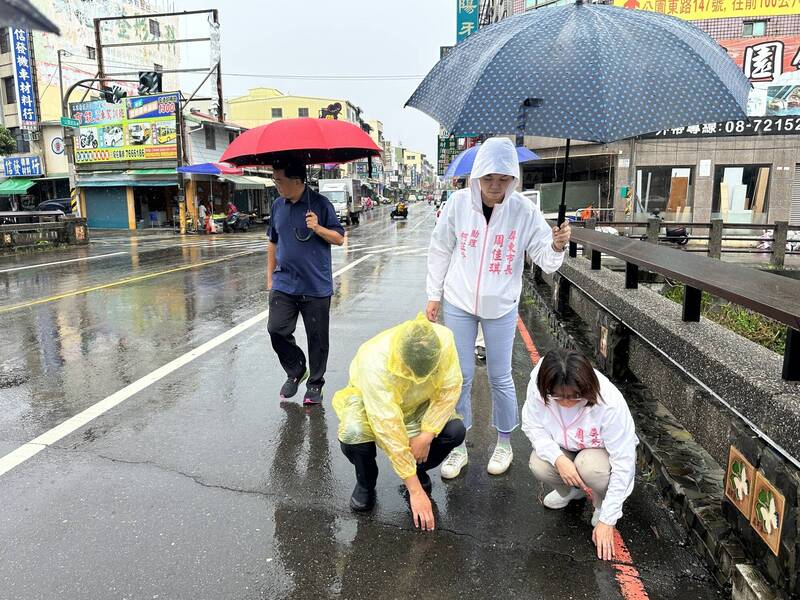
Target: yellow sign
<point x="714" y="9"/>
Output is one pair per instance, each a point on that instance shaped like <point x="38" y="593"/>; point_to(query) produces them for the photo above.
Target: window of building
<point x="754" y="29"/>
<point x="302" y="112"/>
<point x="277" y="113"/>
<point x="91" y="52"/>
<point x="211" y="139"/>
<point x="667" y="190"/>
<point x="10" y="94"/>
<point x="155" y="28"/>
<point x="4" y="45"/>
<point x="23" y="145"/>
<point x="741" y="194"/>
<point x="232" y="135"/>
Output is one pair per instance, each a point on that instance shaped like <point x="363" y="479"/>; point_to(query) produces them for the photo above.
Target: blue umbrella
<point x="462" y="163"/>
<point x="583" y="71"/>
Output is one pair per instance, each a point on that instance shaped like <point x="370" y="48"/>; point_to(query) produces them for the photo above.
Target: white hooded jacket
<point x="476" y="266"/>
<point x="608" y="424"/>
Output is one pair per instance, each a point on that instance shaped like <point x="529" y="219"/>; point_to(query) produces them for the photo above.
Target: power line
<point x="329" y="77"/>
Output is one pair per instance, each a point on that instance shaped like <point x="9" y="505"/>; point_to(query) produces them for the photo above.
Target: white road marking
<point x="384" y="251"/>
<point x="29" y="450"/>
<point x="414" y="250"/>
<point x="62" y="262"/>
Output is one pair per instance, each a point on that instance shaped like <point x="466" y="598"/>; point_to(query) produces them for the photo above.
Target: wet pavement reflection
<point x="205" y="485"/>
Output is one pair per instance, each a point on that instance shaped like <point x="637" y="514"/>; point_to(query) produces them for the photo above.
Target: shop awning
<point x="129" y="178"/>
<point x="244" y="182"/>
<point x="11" y="187"/>
<point x="152" y="172"/>
<point x="211" y="169"/>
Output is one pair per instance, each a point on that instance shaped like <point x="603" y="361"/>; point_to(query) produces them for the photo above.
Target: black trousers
<point x="362" y="456"/>
<point x="283" y="312"/>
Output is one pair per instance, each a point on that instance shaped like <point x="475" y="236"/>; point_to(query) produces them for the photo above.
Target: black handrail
<point x="771" y="295"/>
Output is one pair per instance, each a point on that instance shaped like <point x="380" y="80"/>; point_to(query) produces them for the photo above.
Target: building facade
<point x="32" y="83"/>
<point x="741" y="171"/>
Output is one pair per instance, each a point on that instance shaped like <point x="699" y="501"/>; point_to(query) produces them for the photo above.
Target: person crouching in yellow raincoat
<point x="403" y="389"/>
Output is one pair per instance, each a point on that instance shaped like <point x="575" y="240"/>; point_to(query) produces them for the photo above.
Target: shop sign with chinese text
<point x="449" y="147"/>
<point x="23" y="78"/>
<point x="143" y="128"/>
<point x="22" y="166"/>
<point x="714" y="9"/>
<point x="467" y="18"/>
<point x="752" y="126"/>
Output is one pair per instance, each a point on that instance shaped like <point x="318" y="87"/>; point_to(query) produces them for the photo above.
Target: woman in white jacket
<point x="475" y="265"/>
<point x="584" y="441"/>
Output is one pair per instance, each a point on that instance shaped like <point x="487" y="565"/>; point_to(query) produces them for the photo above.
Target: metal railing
<point x="768" y="294"/>
<point x="651" y="231"/>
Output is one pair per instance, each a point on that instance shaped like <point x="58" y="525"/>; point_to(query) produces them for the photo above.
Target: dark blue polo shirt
<point x="304" y="268"/>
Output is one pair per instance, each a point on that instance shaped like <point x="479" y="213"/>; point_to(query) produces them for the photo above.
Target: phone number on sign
<point x="763" y="125"/>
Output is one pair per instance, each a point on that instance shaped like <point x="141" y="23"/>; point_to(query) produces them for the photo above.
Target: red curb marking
<point x="526" y="337"/>
<point x="630" y="583"/>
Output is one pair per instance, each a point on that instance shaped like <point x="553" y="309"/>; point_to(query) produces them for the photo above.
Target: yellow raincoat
<point x="387" y="403"/>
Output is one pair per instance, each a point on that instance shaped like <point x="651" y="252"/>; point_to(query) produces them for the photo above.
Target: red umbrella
<point x="310" y="141"/>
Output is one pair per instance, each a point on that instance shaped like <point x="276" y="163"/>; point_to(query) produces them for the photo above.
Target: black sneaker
<point x="362" y="499"/>
<point x="289" y="388"/>
<point x="480" y="352"/>
<point x="313" y="395"/>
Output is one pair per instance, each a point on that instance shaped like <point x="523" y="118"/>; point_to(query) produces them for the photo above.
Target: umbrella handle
<point x="562" y="214"/>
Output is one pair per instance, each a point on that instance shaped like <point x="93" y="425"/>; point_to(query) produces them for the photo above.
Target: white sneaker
<point x="500" y="461"/>
<point x="596" y="517"/>
<point x="555" y="500"/>
<point x="455" y="461"/>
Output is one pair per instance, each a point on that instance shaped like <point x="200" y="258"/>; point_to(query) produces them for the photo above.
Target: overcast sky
<point x="318" y="37"/>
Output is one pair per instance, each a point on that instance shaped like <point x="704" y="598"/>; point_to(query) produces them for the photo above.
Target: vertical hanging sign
<point x="23" y="77"/>
<point x="467" y="18"/>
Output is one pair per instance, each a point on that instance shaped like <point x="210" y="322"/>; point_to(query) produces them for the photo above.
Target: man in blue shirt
<point x="303" y="226"/>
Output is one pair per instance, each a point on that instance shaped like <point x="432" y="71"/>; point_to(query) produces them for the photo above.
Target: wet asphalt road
<point x="204" y="486"/>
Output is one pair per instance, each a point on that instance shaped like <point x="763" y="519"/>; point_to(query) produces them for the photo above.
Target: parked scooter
<point x="675" y="235"/>
<point x="236" y="222"/>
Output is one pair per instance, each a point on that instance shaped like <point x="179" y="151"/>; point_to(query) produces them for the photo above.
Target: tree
<point x="8" y="144"/>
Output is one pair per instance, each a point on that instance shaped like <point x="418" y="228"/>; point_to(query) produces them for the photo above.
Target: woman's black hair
<point x="568" y="368"/>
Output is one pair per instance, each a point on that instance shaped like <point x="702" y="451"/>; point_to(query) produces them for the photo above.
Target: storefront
<point x="131" y="199"/>
<point x="590" y="179"/>
<point x="252" y="194"/>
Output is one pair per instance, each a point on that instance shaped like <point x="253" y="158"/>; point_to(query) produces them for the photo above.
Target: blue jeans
<point x="499" y="336"/>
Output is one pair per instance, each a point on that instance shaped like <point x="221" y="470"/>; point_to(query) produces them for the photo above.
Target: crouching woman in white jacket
<point x="584" y="442"/>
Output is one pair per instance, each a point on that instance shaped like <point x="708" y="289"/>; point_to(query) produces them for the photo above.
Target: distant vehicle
<point x="412" y="198"/>
<point x="345" y="195"/>
<point x="533" y="196"/>
<point x="401" y="211"/>
<point x="62" y="204"/>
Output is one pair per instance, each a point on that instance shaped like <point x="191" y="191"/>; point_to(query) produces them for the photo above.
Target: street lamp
<point x="61" y="79"/>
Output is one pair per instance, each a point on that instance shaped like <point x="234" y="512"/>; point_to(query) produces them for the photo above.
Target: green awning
<point x="11" y="187"/>
<point x="151" y="172"/>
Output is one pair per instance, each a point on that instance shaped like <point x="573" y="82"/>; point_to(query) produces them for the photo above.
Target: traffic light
<point x="113" y="94"/>
<point x="149" y="82"/>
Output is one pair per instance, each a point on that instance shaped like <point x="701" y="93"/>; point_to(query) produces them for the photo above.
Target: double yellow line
<point x="125" y="281"/>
